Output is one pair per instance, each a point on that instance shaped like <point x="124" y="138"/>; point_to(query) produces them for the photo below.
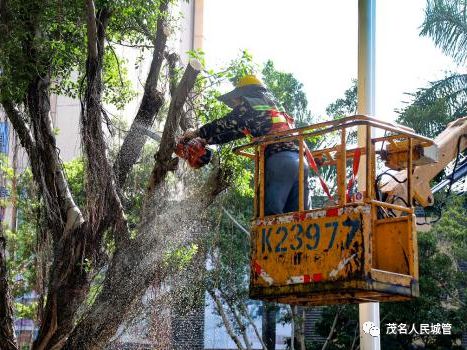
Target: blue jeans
<point x="281" y="190"/>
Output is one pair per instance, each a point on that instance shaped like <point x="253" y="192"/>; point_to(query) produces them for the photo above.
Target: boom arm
<point x="451" y="141"/>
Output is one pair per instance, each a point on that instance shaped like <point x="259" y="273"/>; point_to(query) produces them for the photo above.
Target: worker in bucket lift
<point x="254" y="112"/>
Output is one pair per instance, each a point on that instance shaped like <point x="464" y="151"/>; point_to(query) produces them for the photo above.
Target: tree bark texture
<point x="164" y="160"/>
<point x="269" y="325"/>
<point x="298" y="315"/>
<point x="68" y="283"/>
<point x="150" y="105"/>
<point x="187" y="120"/>
<point x="7" y="332"/>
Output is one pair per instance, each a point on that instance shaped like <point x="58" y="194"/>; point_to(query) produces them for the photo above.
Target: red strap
<point x="356" y="164"/>
<point x="290" y="120"/>
<point x="312" y="163"/>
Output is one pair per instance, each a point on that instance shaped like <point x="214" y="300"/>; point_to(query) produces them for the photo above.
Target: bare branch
<point x="187" y="116"/>
<point x="172" y="60"/>
<point x="20" y="126"/>
<point x="39" y="161"/>
<point x="136" y="46"/>
<point x="150" y="105"/>
<point x="240" y="324"/>
<point x="239" y="225"/>
<point x="331" y="331"/>
<point x="245" y="313"/>
<point x="225" y="320"/>
<point x="164" y="161"/>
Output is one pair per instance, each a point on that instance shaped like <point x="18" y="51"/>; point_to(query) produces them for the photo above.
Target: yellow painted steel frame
<point x="339" y="254"/>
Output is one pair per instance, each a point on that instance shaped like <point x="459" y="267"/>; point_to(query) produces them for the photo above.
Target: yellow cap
<point x="249" y="80"/>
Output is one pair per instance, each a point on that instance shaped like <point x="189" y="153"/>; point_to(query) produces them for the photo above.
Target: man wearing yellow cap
<point x="254" y="112"/>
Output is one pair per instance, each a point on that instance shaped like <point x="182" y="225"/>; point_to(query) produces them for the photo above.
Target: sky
<point x="316" y="41"/>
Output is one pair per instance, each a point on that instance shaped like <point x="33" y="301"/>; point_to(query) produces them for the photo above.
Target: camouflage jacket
<point x="251" y="115"/>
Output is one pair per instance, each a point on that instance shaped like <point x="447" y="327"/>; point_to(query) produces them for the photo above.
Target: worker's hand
<point x="202" y="141"/>
<point x="188" y="135"/>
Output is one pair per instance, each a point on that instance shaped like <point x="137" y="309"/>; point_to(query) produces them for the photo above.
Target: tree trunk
<point x="68" y="283"/>
<point x="134" y="268"/>
<point x="164" y="160"/>
<point x="7" y="332"/>
<point x="269" y="325"/>
<point x="298" y="319"/>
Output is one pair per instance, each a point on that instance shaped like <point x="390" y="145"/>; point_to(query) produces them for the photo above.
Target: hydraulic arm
<point x="450" y="143"/>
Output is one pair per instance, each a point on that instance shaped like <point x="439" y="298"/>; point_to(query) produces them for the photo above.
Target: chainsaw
<point x="194" y="151"/>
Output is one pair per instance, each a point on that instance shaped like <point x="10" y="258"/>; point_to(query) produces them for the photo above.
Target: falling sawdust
<point x="177" y="217"/>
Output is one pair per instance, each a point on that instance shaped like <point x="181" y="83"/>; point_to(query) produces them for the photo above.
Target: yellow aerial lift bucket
<point x="357" y="249"/>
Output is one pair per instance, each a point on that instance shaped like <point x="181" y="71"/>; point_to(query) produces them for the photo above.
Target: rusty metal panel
<point x="391" y="278"/>
<point x="336" y="292"/>
<point x="391" y="245"/>
<point x="311" y="248"/>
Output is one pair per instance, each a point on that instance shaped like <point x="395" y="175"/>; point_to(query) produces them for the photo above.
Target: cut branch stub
<point x="172" y="60"/>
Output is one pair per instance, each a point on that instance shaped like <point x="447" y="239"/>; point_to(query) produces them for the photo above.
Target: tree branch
<point x="172" y="60"/>
<point x="20" y="126"/>
<point x="186" y="120"/>
<point x="63" y="210"/>
<point x="164" y="161"/>
<point x="240" y="324"/>
<point x="245" y="313"/>
<point x="67" y="283"/>
<point x="331" y="331"/>
<point x="225" y="320"/>
<point x="150" y="105"/>
<point x="239" y="225"/>
<point x="91" y="29"/>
